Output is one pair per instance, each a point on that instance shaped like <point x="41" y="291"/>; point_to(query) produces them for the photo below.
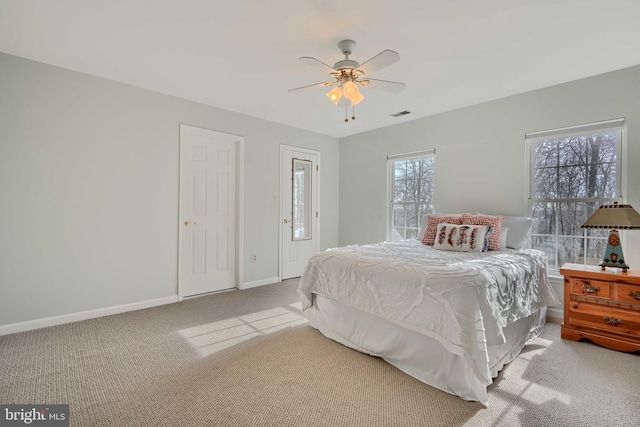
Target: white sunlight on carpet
<point x="526" y="391"/>
<point x="213" y="337"/>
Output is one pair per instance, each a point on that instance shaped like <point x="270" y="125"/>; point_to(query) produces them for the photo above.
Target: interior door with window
<point x="299" y="209"/>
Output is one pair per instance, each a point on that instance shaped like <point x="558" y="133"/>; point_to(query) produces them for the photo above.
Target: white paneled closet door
<point x="207" y="253"/>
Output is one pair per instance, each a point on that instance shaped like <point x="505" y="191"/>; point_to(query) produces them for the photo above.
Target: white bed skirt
<point x="415" y="354"/>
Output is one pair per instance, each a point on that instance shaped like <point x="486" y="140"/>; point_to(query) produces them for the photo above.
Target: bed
<point x="449" y="318"/>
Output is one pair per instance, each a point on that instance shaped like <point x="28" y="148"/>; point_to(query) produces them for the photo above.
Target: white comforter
<point x="461" y="299"/>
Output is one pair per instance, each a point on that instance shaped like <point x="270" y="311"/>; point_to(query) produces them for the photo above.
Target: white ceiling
<point x="243" y="55"/>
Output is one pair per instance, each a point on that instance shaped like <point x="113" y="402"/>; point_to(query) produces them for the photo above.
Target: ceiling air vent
<point x="401" y="113"/>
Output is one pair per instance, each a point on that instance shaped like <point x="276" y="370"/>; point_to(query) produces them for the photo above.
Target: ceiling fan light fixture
<point x="350" y="90"/>
<point x="334" y="95"/>
<point x="349" y="76"/>
<point x="357" y="99"/>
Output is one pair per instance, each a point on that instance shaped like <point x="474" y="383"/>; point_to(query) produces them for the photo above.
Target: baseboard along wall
<point x="83" y="315"/>
<point x="107" y="311"/>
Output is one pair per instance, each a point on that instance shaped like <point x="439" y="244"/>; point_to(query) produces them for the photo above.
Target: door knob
<point x="286" y="221"/>
<point x="188" y="223"/>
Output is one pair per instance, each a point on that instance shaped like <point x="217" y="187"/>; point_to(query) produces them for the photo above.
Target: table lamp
<point x="614" y="217"/>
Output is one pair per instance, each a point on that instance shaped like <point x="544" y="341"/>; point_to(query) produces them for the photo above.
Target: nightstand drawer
<point x="629" y="293"/>
<point x="588" y="287"/>
<point x="582" y="314"/>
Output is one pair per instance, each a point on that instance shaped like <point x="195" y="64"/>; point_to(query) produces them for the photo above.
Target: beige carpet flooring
<point x="249" y="358"/>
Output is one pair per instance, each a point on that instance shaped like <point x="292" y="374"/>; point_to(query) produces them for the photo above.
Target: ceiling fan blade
<point x="318" y="64"/>
<point x="381" y="60"/>
<point x="323" y="84"/>
<point x="385" y="85"/>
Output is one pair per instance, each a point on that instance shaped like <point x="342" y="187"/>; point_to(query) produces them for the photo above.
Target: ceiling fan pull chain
<point x="346" y="112"/>
<point x="353" y="112"/>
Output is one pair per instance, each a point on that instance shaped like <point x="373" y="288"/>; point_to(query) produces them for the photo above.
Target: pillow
<point x="503" y="236"/>
<point x="432" y="226"/>
<point x="425" y="219"/>
<point x="423" y="227"/>
<point x="519" y="228"/>
<point x="493" y="221"/>
<point x="462" y="238"/>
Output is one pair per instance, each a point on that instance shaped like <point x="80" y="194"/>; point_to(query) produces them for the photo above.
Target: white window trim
<point x="412" y="155"/>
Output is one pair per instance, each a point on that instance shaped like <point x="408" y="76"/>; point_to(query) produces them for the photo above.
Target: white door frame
<point x="281" y="215"/>
<point x="239" y="208"/>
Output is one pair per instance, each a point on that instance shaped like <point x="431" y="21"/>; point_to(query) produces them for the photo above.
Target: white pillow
<point x="462" y="238"/>
<point x="423" y="226"/>
<point x="519" y="229"/>
<point x="503" y="236"/>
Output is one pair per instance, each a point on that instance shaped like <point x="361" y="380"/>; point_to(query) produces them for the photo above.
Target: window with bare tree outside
<point x="573" y="172"/>
<point x="411" y="193"/>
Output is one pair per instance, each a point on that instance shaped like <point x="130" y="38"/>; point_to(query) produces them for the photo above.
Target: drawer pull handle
<point x="612" y="321"/>
<point x="635" y="295"/>
<point x="590" y="289"/>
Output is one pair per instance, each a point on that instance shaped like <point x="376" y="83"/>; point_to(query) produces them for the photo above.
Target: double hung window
<point x="572" y="172"/>
<point x="411" y="192"/>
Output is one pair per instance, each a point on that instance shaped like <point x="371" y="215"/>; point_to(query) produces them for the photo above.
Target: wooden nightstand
<point x="602" y="306"/>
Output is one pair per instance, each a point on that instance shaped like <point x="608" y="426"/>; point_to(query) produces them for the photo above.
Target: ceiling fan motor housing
<point x="346" y="64"/>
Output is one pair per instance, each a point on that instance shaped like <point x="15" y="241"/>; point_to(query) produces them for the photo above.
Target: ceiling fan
<point x="349" y="74"/>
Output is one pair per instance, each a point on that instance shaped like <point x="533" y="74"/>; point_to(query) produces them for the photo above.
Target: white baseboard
<point x="84" y="315"/>
<point x="262" y="282"/>
<point x="555" y="315"/>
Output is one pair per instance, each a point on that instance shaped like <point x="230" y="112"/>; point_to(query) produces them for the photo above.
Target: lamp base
<point x="624" y="267"/>
<point x="613" y="255"/>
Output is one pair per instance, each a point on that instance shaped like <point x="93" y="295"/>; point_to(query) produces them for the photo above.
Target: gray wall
<point x="480" y="153"/>
<point x="89" y="190"/>
<point x="89" y="178"/>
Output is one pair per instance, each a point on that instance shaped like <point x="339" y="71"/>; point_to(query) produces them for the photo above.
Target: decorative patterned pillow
<point x="493" y="221"/>
<point x="432" y="226"/>
<point x="462" y="238"/>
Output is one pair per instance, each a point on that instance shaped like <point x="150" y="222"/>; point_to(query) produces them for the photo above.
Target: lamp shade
<point x="350" y="90"/>
<point x="335" y="95"/>
<point x="615" y="216"/>
<point x="357" y="99"/>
